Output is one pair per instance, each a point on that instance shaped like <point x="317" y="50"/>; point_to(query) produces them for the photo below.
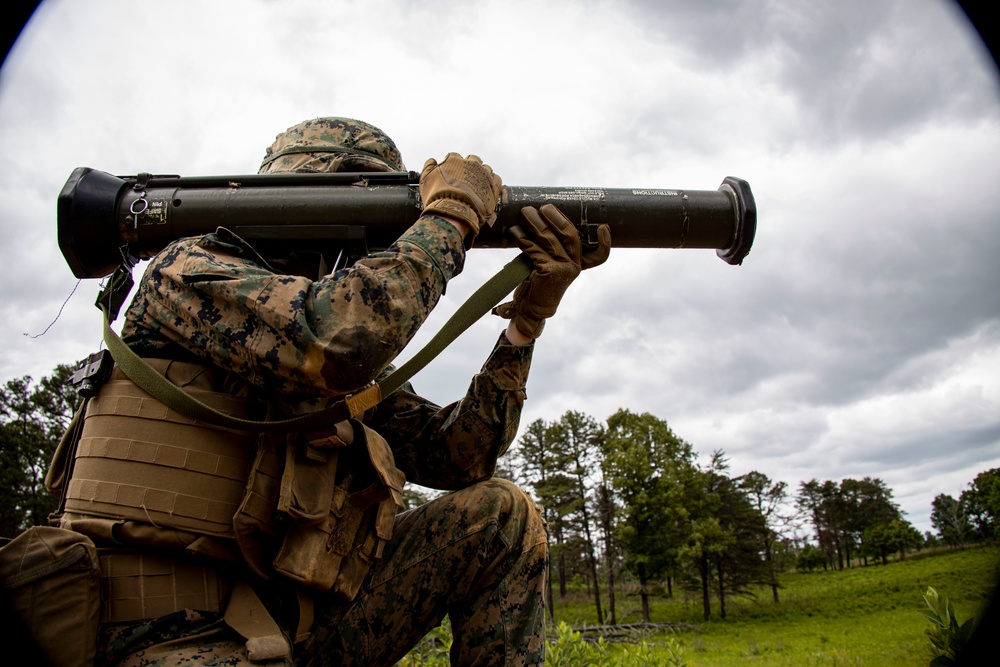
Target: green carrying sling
<point x="478" y="304"/>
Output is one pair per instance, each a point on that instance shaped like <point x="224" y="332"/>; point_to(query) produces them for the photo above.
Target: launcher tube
<point x="101" y="216"/>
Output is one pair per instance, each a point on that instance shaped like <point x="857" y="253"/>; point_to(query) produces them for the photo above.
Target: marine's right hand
<point x="462" y="189"/>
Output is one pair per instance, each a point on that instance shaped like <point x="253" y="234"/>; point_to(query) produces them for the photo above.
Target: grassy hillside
<point x="859" y="616"/>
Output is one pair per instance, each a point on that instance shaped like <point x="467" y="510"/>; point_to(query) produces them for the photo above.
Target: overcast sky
<point x="861" y="337"/>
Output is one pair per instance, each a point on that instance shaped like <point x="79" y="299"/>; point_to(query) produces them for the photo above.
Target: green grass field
<point x="858" y="616"/>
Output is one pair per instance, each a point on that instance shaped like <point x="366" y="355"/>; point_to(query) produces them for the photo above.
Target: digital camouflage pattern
<point x="216" y="298"/>
<point x="186" y="637"/>
<point x="332" y="144"/>
<point x="212" y="299"/>
<point x="478" y="553"/>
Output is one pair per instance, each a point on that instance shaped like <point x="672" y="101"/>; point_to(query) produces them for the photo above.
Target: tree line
<point x="973" y="516"/>
<point x="629" y="496"/>
<point x="630" y="499"/>
<point x="629" y="505"/>
<point x="33" y="417"/>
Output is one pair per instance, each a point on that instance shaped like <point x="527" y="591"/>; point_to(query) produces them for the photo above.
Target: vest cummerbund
<point x="139" y="460"/>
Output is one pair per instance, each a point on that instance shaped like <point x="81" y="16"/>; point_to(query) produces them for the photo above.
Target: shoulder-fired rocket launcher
<point x="104" y="220"/>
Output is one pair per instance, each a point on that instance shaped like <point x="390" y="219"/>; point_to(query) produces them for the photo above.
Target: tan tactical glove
<point x="553" y="244"/>
<point x="460" y="188"/>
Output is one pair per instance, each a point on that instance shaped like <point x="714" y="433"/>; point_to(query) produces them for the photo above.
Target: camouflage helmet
<point x="331" y="144"/>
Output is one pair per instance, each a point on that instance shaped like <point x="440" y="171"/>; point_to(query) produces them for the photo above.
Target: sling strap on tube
<point x="478" y="304"/>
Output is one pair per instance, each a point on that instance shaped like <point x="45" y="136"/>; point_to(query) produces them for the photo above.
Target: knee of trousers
<point x="518" y="518"/>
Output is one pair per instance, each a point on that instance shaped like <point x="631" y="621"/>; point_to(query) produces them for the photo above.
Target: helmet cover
<point x="331" y="144"/>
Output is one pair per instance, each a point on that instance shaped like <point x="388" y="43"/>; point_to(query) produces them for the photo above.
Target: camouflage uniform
<point x="479" y="553"/>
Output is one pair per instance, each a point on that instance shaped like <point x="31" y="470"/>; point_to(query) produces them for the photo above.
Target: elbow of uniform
<point x="356" y="358"/>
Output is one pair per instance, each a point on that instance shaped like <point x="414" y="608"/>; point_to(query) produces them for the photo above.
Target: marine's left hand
<point x="553" y="244"/>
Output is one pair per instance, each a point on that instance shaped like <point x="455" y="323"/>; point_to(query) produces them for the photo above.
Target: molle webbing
<point x="139" y="460"/>
<point x="140" y="586"/>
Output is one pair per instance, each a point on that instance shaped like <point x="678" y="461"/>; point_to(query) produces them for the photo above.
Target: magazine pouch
<point x="341" y="501"/>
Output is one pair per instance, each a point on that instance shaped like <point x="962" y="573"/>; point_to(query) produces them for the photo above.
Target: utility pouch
<point x="51" y="580"/>
<point x="334" y="549"/>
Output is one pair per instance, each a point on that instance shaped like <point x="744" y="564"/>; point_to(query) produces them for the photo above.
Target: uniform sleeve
<point x="453" y="446"/>
<point x="216" y="299"/>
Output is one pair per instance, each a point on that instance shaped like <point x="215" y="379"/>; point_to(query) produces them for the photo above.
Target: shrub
<point x="947" y="637"/>
<point x="567" y="649"/>
<point x="570" y="649"/>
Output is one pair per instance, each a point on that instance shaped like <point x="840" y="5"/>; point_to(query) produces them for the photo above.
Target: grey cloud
<point x="859" y="70"/>
<point x="965" y="444"/>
